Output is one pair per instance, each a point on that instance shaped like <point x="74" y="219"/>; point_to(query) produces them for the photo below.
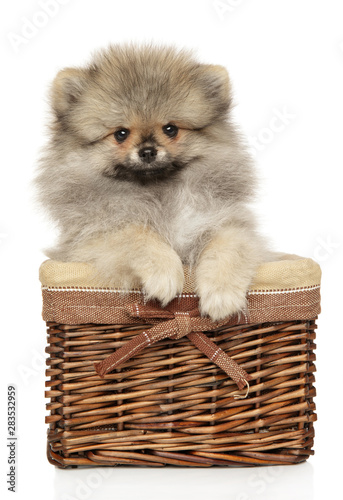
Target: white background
<point x="285" y="58"/>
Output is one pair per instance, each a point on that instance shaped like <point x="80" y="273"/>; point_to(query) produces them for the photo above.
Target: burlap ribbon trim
<point x="174" y="325"/>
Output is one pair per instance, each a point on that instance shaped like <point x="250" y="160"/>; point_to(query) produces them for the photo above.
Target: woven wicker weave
<point x="170" y="404"/>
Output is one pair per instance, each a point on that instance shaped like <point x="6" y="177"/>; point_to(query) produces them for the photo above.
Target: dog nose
<point x="148" y="154"/>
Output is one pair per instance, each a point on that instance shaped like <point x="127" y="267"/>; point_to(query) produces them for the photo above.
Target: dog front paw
<point x="219" y="303"/>
<point x="221" y="290"/>
<point x="163" y="280"/>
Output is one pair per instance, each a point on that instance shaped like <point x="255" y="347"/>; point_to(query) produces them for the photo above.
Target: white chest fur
<point x="192" y="215"/>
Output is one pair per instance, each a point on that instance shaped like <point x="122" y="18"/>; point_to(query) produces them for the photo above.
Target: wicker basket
<point x="169" y="404"/>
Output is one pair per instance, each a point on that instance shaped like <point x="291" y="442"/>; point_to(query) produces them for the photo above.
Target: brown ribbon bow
<point x="175" y="326"/>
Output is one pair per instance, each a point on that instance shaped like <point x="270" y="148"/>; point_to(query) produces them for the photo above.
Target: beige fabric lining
<point x="287" y="273"/>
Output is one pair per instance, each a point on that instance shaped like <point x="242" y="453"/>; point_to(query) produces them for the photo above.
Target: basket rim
<point x="285" y="272"/>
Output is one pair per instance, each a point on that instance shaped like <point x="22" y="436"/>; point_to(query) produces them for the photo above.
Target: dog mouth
<point x="145" y="174"/>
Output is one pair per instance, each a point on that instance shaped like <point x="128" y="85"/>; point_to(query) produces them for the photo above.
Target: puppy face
<point x="148" y="152"/>
<point x="142" y="114"/>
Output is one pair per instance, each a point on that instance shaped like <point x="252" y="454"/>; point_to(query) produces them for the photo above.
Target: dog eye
<point x="122" y="134"/>
<point x="170" y="130"/>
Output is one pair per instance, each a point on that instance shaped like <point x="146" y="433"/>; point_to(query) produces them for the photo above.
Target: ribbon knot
<point x="173" y="325"/>
<point x="184" y="325"/>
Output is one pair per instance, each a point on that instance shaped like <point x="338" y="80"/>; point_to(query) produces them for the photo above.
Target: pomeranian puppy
<point x="145" y="172"/>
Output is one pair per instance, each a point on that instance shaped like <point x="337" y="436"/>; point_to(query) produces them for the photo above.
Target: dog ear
<point x="66" y="89"/>
<point x="216" y="85"/>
